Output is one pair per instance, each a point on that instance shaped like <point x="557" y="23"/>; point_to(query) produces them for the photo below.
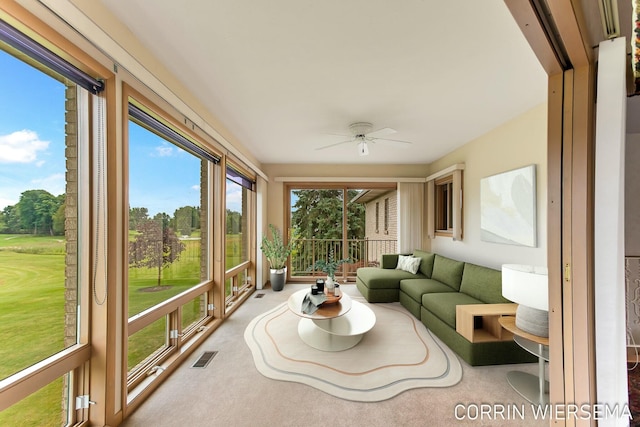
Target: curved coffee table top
<point x="325" y="311"/>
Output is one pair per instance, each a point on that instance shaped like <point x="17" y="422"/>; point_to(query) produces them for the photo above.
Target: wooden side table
<point x="534" y="389"/>
<point x="479" y="322"/>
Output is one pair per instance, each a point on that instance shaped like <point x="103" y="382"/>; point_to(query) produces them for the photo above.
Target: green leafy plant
<point x="329" y="266"/>
<point x="275" y="250"/>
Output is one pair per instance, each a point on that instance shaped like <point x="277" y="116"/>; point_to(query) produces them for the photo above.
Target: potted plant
<point x="329" y="266"/>
<point x="277" y="253"/>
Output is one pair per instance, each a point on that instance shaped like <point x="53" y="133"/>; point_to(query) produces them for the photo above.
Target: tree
<point x="10" y="222"/>
<point x="234" y="222"/>
<point x="136" y="216"/>
<point x="317" y="214"/>
<point x="36" y="209"/>
<point x="155" y="246"/>
<point x="187" y="218"/>
<point x="59" y="220"/>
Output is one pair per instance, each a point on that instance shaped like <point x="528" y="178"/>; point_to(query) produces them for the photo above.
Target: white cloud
<point x="54" y="184"/>
<point x="234" y="198"/>
<point x="21" y="147"/>
<point x="195" y="187"/>
<point x="4" y="202"/>
<point x="164" y="150"/>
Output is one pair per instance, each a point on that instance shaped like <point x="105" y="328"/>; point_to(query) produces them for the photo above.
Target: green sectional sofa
<point x="432" y="294"/>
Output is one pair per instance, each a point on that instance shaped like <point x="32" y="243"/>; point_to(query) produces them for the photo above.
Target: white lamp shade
<point x="526" y="285"/>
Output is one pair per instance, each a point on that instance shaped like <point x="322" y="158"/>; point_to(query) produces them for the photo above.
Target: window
<point x="44" y="250"/>
<point x="339" y="220"/>
<point x="444" y="203"/>
<point x="386" y="216"/>
<point x="239" y="201"/>
<point x="169" y="278"/>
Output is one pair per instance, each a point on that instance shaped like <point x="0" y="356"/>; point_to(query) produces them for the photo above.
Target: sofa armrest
<point x="389" y="261"/>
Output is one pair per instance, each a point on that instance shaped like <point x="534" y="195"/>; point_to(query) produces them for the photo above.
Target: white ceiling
<point x="284" y="75"/>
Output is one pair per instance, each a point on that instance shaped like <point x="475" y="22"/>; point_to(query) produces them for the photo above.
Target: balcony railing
<point x="361" y="253"/>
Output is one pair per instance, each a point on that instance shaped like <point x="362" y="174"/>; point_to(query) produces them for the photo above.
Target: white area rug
<point x="398" y="354"/>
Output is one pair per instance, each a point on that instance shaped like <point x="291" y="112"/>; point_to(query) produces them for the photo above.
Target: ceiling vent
<point x="610" y="20"/>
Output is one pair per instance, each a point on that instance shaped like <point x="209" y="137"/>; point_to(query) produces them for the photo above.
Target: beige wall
<point x="329" y="173"/>
<point x="520" y="142"/>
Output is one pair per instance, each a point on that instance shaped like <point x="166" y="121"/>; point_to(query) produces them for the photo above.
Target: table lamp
<point x="528" y="287"/>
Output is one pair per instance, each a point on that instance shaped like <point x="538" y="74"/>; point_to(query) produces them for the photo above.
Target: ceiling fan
<point x="362" y="134"/>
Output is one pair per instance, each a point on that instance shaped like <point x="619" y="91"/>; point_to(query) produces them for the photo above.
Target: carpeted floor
<point x="231" y="392"/>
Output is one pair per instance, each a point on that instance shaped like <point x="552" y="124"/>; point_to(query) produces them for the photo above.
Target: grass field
<point x="31" y="320"/>
<point x="32" y="312"/>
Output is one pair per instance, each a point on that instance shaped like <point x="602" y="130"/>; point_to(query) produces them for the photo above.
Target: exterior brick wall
<point x="70" y="231"/>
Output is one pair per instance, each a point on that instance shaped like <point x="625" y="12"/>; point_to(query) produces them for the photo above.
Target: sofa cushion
<point x="408" y="263"/>
<point x="415" y="288"/>
<point x="426" y="265"/>
<point x="384" y="278"/>
<point x="482" y="283"/>
<point x="447" y="271"/>
<point x="389" y="260"/>
<point x="443" y="305"/>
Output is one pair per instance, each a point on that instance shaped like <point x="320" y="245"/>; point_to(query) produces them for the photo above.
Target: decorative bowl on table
<point x="331" y="298"/>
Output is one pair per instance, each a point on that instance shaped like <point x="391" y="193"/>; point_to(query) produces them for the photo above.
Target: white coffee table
<point x="333" y="327"/>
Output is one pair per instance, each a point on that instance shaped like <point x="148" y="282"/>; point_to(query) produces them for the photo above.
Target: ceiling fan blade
<point x="333" y="145"/>
<point x="390" y="140"/>
<point x="381" y="132"/>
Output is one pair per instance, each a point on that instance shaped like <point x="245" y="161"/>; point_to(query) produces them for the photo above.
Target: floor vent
<point x="204" y="359"/>
<point x="259" y="295"/>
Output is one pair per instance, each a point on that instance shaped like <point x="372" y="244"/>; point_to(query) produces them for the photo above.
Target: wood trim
<point x="147" y="317"/>
<point x="446" y="171"/>
<point x="431" y="210"/>
<point x="457" y="205"/>
<point x="529" y="24"/>
<point x="581" y="274"/>
<point x="554" y="237"/>
<point x="32" y="26"/>
<point x="20" y="385"/>
<point x="569" y="20"/>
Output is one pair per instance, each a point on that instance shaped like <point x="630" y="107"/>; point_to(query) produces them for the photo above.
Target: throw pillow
<point x="408" y="263"/>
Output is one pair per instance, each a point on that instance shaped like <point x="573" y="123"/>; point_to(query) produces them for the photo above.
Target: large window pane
<point x="166" y="235"/>
<point x="317" y="220"/>
<point x="146" y="343"/>
<point x="41" y="408"/>
<point x="193" y="311"/>
<point x="237" y="215"/>
<point x="39" y="232"/>
<point x="32" y="197"/>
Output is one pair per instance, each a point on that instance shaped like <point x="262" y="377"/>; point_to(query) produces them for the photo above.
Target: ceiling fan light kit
<point x="361" y="134"/>
<point x="363" y="149"/>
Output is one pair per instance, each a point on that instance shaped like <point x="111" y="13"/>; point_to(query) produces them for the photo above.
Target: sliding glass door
<point x="331" y="221"/>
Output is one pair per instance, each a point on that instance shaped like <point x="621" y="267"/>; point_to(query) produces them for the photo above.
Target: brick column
<point x="70" y="229"/>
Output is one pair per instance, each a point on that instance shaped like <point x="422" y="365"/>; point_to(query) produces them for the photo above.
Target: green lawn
<point x="32" y="311"/>
<point x="31" y="320"/>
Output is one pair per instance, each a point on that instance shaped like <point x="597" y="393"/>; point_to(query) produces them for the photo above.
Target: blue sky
<point x="32" y="128"/>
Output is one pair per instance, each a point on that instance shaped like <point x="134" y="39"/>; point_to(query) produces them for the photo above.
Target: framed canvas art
<point x="508" y="207"/>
